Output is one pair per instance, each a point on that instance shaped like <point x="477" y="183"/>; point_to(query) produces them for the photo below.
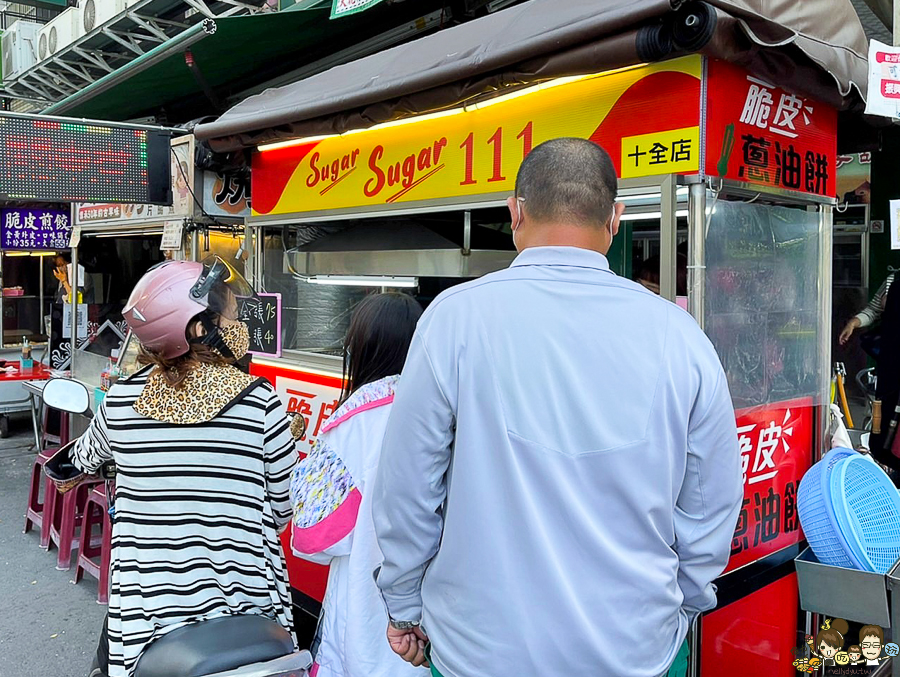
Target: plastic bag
<point x="839" y="435"/>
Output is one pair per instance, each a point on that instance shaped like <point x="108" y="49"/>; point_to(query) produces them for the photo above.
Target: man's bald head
<point x="568" y="181"/>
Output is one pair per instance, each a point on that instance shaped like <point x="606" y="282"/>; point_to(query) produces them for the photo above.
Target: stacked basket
<point x="850" y="512"/>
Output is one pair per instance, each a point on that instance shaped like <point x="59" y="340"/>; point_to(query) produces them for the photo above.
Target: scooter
<point x="228" y="646"/>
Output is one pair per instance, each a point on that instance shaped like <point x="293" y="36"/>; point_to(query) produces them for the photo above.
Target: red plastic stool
<point x="96" y="511"/>
<point x="67" y="512"/>
<point x="34" y="512"/>
<point x="48" y="437"/>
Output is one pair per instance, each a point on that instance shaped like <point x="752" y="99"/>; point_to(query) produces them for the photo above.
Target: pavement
<point x="48" y="625"/>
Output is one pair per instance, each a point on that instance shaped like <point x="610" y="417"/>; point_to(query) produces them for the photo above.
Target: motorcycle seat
<point x="216" y="645"/>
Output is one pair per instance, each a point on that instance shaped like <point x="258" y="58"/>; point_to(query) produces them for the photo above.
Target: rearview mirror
<point x="67" y="395"/>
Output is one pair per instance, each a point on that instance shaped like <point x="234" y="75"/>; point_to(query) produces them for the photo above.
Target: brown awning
<point x="816" y="47"/>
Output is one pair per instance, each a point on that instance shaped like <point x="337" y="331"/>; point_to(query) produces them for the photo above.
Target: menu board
<point x="64" y="160"/>
<point x="37" y="229"/>
<point x="262" y="313"/>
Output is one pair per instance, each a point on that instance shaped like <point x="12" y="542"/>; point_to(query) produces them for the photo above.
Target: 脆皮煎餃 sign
<point x="34" y="229"/>
<point x="475" y="152"/>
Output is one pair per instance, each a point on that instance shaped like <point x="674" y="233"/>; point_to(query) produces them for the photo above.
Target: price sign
<point x="36" y="229"/>
<point x="62" y="160"/>
<point x="171" y="239"/>
<point x="262" y="314"/>
<point x="81" y="320"/>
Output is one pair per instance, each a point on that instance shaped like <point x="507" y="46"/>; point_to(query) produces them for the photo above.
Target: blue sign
<point x="35" y="229"/>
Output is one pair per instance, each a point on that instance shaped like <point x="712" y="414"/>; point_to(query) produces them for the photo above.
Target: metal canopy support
<point x="697" y="253"/>
<point x="668" y="231"/>
<point x="73" y="302"/>
<point x="113" y="44"/>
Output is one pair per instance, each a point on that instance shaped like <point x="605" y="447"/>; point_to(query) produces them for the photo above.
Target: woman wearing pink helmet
<point x="204" y="456"/>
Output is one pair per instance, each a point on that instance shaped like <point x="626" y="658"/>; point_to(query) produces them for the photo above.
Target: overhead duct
<point x="405" y="249"/>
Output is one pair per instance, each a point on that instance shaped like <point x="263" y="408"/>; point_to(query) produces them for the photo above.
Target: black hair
<point x="377" y="342"/>
<point x="570" y="180"/>
<point x="649" y="271"/>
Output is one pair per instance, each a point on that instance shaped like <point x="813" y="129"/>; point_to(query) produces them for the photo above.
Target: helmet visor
<point x="222" y="289"/>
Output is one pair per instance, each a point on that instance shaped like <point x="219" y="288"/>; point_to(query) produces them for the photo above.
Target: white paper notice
<point x="884" y="80"/>
<point x="895" y="224"/>
<point x="171" y="239"/>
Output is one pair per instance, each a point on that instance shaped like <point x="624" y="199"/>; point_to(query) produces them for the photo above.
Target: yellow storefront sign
<point x="475" y="152"/>
<point x="671" y="152"/>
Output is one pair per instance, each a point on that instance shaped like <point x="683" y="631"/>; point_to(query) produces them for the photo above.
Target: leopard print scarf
<point x="207" y="390"/>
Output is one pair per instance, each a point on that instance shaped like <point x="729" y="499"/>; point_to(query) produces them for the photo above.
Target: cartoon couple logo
<point x="827" y="648"/>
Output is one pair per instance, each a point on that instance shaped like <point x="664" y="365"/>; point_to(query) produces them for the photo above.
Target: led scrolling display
<point x="61" y="160"/>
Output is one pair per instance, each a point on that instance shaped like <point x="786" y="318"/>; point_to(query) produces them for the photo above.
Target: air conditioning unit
<point x="59" y="33"/>
<point x="95" y="13"/>
<point x="18" y="47"/>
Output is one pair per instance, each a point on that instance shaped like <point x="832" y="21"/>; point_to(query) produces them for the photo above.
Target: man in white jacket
<point x="560" y="478"/>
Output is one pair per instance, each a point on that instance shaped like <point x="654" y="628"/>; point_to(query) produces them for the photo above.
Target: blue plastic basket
<point x="815" y="508"/>
<point x="867" y="507"/>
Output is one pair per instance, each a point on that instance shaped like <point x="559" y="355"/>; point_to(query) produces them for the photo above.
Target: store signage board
<point x="60" y="160"/>
<point x="180" y="206"/>
<point x="759" y="133"/>
<point x="262" y="315"/>
<point x="35" y="229"/>
<point x="226" y="196"/>
<point x="775" y="443"/>
<point x="171" y="237"/>
<point x="854" y="175"/>
<point x="476" y="152"/>
<point x="341" y="8"/>
<point x="884" y="80"/>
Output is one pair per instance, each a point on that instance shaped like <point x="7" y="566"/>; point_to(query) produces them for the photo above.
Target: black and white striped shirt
<point x="872" y="312"/>
<point x="198" y="509"/>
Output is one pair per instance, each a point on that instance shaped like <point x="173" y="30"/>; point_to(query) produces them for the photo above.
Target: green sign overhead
<point x="347" y="7"/>
<point x="45" y="4"/>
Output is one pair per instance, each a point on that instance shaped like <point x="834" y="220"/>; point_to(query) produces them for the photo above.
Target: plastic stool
<point x="96" y="511"/>
<point x="49" y="438"/>
<point x="35" y="510"/>
<point x="67" y="511"/>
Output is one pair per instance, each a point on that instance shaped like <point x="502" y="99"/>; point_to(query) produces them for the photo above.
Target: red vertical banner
<point x="759" y="133"/>
<point x="776" y="450"/>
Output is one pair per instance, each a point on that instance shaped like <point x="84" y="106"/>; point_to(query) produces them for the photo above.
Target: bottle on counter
<point x="27" y="362"/>
<point x="110" y="374"/>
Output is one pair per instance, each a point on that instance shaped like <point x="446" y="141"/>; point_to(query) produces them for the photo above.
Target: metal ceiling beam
<point x="150" y="27"/>
<point x="127" y="44"/>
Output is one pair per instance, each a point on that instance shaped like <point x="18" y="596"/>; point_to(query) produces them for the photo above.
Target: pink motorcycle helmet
<point x="173" y="293"/>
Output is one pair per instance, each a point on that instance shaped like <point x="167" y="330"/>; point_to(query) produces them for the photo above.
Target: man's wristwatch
<point x="404" y="625"/>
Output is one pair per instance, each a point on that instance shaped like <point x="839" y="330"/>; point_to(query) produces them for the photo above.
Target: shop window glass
<point x="762" y="311"/>
<point x="314" y="318"/>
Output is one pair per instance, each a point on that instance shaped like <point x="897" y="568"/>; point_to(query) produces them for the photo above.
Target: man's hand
<point x="848" y="330"/>
<point x="408" y="644"/>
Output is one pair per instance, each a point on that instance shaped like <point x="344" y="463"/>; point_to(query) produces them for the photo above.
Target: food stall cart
<point x="730" y="163"/>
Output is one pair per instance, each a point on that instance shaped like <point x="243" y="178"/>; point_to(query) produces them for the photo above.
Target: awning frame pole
<point x="73" y="318"/>
<point x="668" y="237"/>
